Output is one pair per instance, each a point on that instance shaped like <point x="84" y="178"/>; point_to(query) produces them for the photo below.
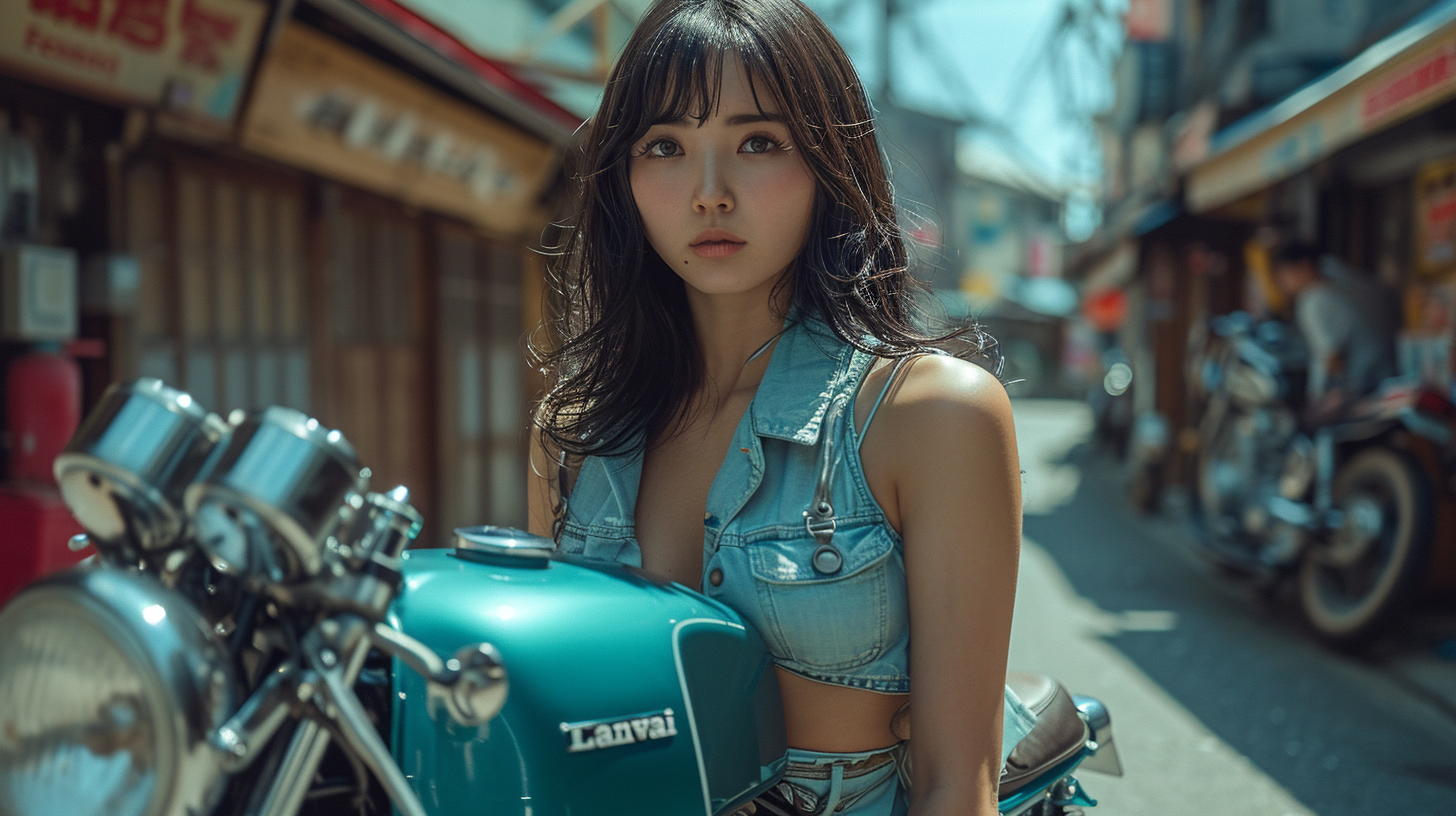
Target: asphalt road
<point x="1221" y="703"/>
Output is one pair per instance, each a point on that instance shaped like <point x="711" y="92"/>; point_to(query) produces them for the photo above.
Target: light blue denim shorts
<point x="866" y="783"/>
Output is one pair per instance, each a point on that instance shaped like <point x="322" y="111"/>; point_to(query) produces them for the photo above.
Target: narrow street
<point x="1221" y="703"/>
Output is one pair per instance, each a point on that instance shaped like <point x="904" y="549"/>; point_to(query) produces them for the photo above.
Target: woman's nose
<point x="713" y="191"/>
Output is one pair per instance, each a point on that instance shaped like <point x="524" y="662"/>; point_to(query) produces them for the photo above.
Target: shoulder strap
<point x="889" y="381"/>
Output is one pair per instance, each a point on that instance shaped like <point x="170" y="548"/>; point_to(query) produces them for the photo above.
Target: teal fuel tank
<point x="627" y="694"/>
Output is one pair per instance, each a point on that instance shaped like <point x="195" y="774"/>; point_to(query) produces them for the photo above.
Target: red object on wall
<point x="1105" y="309"/>
<point x="42" y="410"/>
<point x="34" y="528"/>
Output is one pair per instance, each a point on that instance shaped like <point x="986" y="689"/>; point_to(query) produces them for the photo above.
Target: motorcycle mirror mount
<point x="478" y="691"/>
<point x="472" y="686"/>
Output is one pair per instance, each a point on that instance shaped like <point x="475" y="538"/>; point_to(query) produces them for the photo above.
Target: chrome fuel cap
<point x="503" y="541"/>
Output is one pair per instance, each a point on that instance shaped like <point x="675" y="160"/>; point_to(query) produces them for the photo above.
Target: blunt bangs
<point x="678" y="74"/>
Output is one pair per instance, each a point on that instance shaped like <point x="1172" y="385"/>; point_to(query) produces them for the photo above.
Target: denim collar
<point x="808" y="366"/>
<point x="808" y="352"/>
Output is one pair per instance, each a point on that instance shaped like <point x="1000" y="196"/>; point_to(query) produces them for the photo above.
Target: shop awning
<point x="1409" y="72"/>
<point x="439" y="53"/>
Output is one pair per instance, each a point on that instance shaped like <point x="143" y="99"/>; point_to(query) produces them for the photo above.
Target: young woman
<point x="741" y="401"/>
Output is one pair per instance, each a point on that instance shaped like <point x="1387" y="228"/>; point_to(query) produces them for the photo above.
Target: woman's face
<point x="727" y="203"/>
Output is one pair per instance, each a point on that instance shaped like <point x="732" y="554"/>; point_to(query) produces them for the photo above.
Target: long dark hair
<point x="621" y="356"/>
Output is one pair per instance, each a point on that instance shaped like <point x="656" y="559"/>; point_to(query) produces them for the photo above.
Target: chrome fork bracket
<point x="1069" y="793"/>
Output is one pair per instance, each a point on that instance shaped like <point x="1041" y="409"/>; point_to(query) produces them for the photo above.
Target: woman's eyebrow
<point x="753" y="118"/>
<point x="732" y="121"/>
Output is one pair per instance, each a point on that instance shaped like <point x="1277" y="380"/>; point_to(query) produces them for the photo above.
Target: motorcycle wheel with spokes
<point x="1364" y="570"/>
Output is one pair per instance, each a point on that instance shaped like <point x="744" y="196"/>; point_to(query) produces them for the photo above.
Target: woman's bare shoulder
<point x="944" y="436"/>
<point x="951" y="389"/>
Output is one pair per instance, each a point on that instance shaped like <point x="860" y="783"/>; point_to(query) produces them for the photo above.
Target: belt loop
<point x="836" y="788"/>
<point x="903" y="768"/>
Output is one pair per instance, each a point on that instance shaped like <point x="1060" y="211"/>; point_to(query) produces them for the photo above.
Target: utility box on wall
<point x="37" y="293"/>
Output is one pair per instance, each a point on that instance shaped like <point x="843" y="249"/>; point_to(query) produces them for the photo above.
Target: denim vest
<point x="825" y="591"/>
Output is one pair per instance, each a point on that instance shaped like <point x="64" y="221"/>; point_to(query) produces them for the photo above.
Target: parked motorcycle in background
<point x="1343" y="510"/>
<point x="252" y="638"/>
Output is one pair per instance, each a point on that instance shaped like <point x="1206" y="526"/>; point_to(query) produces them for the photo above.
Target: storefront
<point x="1361" y="163"/>
<point x="290" y="211"/>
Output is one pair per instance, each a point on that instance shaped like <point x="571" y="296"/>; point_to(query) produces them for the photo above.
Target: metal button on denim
<point x="716" y="577"/>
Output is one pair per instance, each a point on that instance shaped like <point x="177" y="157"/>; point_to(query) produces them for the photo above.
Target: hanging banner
<point x="187" y="56"/>
<point x="322" y="106"/>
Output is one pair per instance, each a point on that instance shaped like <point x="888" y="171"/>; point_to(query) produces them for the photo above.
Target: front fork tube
<point x="305" y="751"/>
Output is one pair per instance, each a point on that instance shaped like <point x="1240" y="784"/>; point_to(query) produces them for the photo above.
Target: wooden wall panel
<point x="214" y="245"/>
<point x="379" y="391"/>
<point x="194" y="271"/>
<point x="227" y="261"/>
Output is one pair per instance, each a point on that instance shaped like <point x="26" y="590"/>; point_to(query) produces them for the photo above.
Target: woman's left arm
<point x="958" y="495"/>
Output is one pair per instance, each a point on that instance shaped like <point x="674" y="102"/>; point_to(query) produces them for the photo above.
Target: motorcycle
<point x="254" y="637"/>
<point x="1344" y="510"/>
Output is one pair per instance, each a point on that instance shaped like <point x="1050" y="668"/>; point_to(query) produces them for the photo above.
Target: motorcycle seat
<point x="1058" y="735"/>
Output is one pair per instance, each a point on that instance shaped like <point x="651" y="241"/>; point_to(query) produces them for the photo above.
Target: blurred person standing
<point x="1349" y="322"/>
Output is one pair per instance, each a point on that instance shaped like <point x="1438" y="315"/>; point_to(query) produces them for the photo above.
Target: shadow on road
<point x="1332" y="729"/>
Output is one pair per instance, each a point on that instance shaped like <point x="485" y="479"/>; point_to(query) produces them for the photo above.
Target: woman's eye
<point x="759" y="144"/>
<point x="661" y="149"/>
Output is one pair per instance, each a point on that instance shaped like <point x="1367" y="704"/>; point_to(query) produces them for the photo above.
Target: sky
<point x="985" y="47"/>
<point x="989" y="60"/>
<point x="969" y="57"/>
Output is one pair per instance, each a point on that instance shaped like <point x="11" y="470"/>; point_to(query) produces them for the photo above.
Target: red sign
<point x="188" y="55"/>
<point x="1105" y="309"/>
<point x="1148" y="20"/>
<point x="1412" y="84"/>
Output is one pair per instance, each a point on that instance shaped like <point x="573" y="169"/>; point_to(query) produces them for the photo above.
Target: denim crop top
<point x="840" y="617"/>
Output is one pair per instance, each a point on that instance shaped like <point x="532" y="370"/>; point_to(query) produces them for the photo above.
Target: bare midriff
<point x="825" y="717"/>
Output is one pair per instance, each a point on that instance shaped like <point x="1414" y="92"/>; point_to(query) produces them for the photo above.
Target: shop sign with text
<point x="1430" y="76"/>
<point x="322" y="106"/>
<point x="1404" y="86"/>
<point x="188" y="56"/>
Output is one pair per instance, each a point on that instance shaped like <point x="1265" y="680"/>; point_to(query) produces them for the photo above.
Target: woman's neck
<point x="730" y="331"/>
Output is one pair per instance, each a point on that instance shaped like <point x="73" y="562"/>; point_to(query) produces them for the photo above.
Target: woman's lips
<point x="716" y="249"/>
<point x="716" y="242"/>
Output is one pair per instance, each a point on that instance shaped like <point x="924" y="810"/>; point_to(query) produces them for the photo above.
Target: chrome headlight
<point x="110" y="685"/>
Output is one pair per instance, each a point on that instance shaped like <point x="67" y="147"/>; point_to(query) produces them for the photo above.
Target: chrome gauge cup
<point x="277" y="489"/>
<point x="110" y="686"/>
<point x="124" y="472"/>
<point x="384" y="526"/>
